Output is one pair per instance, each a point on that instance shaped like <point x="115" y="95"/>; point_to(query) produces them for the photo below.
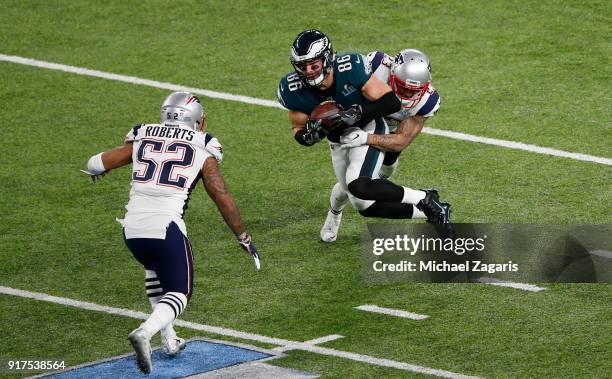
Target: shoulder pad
<point x="432" y="104"/>
<point x="131" y="135"/>
<point x="213" y="147"/>
<point x="376" y="58"/>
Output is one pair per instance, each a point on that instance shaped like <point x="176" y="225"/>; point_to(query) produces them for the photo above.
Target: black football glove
<point x="351" y="114"/>
<point x="314" y="132"/>
<point x="247" y="244"/>
<point x="316" y="126"/>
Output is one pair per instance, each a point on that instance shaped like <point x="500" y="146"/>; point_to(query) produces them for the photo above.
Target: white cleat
<point x="173" y="346"/>
<point x="329" y="231"/>
<point x="142" y="346"/>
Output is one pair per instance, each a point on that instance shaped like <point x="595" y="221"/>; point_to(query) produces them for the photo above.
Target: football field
<point x="523" y="135"/>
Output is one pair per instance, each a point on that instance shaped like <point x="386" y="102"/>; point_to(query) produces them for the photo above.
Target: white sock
<point x="153" y="287"/>
<point x="338" y="199"/>
<point x="416" y="213"/>
<point x="171" y="305"/>
<point x="151" y="284"/>
<point x="412" y="196"/>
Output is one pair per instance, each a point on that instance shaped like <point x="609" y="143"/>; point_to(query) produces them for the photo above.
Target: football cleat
<point x="329" y="231"/>
<point x="172" y="346"/>
<point x="142" y="346"/>
<point x="436" y="212"/>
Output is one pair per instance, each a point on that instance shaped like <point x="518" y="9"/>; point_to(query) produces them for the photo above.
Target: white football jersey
<point x="166" y="166"/>
<point x="380" y="65"/>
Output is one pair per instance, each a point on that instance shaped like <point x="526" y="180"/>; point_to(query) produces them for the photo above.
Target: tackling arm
<point x="406" y="132"/>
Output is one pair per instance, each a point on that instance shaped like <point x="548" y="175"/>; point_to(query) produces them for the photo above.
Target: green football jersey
<point x="350" y="74"/>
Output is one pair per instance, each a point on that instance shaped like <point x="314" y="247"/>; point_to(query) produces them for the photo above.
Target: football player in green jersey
<point x="320" y="75"/>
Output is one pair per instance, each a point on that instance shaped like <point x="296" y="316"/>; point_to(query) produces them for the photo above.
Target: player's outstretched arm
<point x="406" y="132"/>
<point x="101" y="163"/>
<point x="219" y="193"/>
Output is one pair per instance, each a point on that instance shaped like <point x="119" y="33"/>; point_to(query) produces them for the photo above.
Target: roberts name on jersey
<point x="166" y="165"/>
<point x="168" y="132"/>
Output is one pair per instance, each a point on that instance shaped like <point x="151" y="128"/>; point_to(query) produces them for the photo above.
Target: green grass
<point x="534" y="72"/>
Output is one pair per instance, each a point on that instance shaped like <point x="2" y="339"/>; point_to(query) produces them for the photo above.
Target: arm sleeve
<point x="387" y="104"/>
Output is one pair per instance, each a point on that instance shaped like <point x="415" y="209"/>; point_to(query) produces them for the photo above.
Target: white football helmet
<point x="410" y="76"/>
<point x="183" y="108"/>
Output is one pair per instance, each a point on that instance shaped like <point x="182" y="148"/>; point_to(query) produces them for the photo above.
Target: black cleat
<point x="436" y="212"/>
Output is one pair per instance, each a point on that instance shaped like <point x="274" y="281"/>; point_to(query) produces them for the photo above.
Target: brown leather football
<point x="327" y="112"/>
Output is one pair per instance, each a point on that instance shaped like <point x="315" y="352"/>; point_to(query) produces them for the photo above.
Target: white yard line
<point x="602" y="253"/>
<point x="274" y="104"/>
<point x="291" y="345"/>
<point x="503" y="283"/>
<point x="315" y="341"/>
<point x="518" y="146"/>
<point x="324" y="339"/>
<point x="391" y="312"/>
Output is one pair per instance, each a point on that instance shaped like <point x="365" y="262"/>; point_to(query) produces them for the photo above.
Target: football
<point x="327" y="112"/>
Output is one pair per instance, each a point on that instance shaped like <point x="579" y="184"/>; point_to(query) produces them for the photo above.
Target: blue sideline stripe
<point x="198" y="357"/>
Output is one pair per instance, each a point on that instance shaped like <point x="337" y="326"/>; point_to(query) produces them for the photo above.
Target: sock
<point x="155" y="292"/>
<point x="412" y="196"/>
<point x="389" y="210"/>
<point x="169" y="307"/>
<point x="338" y="199"/>
<point x="153" y="287"/>
<point x="416" y="213"/>
<point x="366" y="188"/>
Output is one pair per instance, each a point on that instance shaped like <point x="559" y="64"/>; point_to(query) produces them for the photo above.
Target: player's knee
<point x="359" y="204"/>
<point x="359" y="187"/>
<point x="368" y="212"/>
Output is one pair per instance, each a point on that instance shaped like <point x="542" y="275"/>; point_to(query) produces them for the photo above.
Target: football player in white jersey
<point x="409" y="76"/>
<point x="168" y="160"/>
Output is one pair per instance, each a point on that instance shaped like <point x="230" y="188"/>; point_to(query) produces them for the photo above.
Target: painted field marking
<point x="504" y="283"/>
<point x="315" y="341"/>
<point x="602" y="253"/>
<point x="391" y="312"/>
<point x="273" y="104"/>
<point x="293" y="345"/>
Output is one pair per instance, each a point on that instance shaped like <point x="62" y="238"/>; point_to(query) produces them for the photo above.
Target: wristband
<point x="95" y="165"/>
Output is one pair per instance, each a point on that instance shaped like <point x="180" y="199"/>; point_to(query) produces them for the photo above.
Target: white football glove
<point x="247" y="244"/>
<point x="355" y="138"/>
<point x="94" y="177"/>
